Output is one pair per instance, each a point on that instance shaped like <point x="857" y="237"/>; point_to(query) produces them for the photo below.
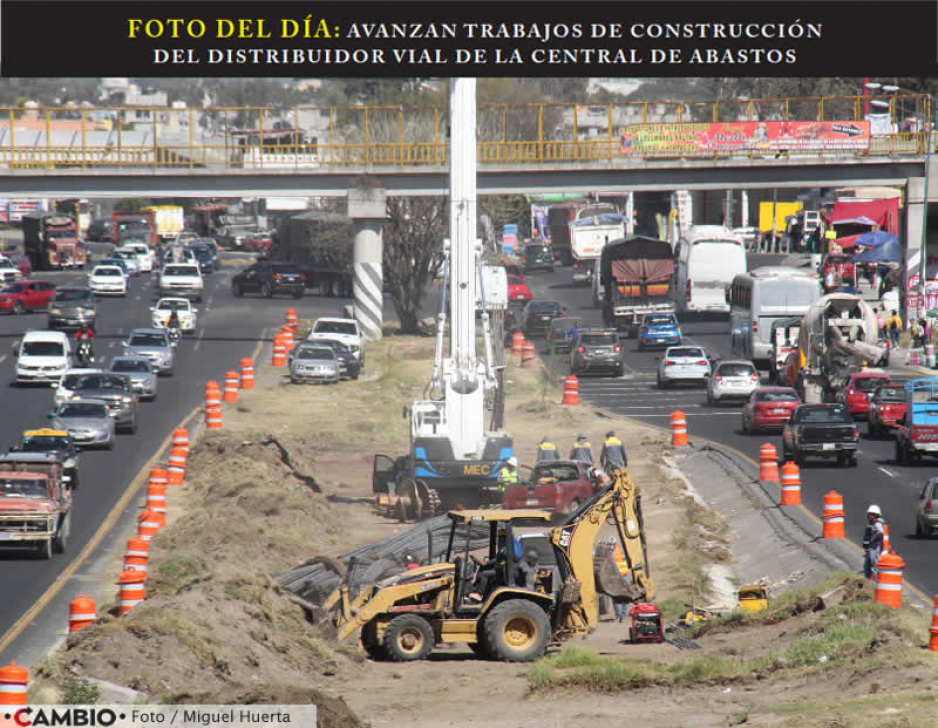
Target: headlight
<point x="127" y="400"/>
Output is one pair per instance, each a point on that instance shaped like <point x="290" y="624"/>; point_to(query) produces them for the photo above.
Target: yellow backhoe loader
<point x="509" y="607"/>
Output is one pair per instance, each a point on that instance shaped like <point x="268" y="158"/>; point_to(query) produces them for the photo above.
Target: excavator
<point x="513" y="617"/>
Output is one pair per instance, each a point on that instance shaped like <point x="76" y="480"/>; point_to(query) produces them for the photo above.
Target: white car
<point x="732" y="379"/>
<point x="160" y="313"/>
<point x="142" y="253"/>
<point x="107" y="280"/>
<point x="9" y="272"/>
<point x="43" y="356"/>
<point x="181" y="279"/>
<point x="130" y="260"/>
<point x="341" y="329"/>
<point x="683" y="364"/>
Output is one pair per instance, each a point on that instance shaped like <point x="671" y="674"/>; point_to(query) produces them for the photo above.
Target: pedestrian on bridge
<point x="872" y="541"/>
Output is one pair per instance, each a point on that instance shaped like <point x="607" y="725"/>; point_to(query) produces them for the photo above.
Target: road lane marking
<point x="3" y="358"/>
<point x="198" y="339"/>
<point x="889" y="473"/>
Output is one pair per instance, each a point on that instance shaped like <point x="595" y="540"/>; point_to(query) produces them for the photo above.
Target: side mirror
<point x="50" y="415"/>
<point x="152" y="309"/>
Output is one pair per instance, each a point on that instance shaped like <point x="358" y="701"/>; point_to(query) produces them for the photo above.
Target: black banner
<point x="617" y="39"/>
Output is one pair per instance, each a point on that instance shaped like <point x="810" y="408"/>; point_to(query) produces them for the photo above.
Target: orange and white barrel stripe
<point x="231" y="386"/>
<point x="149" y="524"/>
<point x="768" y="463"/>
<point x="678" y="429"/>
<point x="213" y="418"/>
<point x="212" y="394"/>
<point x="292" y="321"/>
<point x="156" y="497"/>
<point x="791" y="485"/>
<point x="889" y="579"/>
<point x="176" y="467"/>
<point x="279" y="351"/>
<point x="137" y="554"/>
<point x="181" y="439"/>
<point x="833" y="517"/>
<point x="81" y="613"/>
<point x="247" y="374"/>
<point x="14" y="681"/>
<point x="132" y="590"/>
<point x="933" y="642"/>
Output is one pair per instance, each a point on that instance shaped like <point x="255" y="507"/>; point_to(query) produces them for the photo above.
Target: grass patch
<point x="908" y="710"/>
<point x="177" y="572"/>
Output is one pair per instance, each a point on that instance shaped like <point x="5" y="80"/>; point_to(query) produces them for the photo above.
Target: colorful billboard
<point x="744" y="137"/>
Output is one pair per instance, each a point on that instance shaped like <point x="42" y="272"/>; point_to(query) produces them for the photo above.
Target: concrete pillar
<point x="367" y="208"/>
<point x="744" y="208"/>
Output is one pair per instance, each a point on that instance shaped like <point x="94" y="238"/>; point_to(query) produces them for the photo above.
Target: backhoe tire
<point x="370" y="643"/>
<point x="517" y="630"/>
<point x="408" y="638"/>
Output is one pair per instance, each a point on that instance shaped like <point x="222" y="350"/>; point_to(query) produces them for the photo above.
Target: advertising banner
<point x="744" y="137"/>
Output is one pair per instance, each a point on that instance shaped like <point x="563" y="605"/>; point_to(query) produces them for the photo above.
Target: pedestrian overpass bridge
<point x="522" y="149"/>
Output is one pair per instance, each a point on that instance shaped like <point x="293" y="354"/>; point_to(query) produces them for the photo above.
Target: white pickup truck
<point x="181" y="279"/>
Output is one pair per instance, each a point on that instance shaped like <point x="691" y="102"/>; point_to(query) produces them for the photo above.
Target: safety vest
<point x="610" y="441"/>
<point x="582" y="451"/>
<point x="506" y="476"/>
<point x="621" y="563"/>
<point x="547" y="451"/>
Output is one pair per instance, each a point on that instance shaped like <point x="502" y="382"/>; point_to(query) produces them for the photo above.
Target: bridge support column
<point x="367" y="208"/>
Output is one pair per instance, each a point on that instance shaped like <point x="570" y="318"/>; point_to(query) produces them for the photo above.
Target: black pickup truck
<point x="820" y="430"/>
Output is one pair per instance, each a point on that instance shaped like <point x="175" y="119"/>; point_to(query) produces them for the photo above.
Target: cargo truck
<point x="50" y="241"/>
<point x="636" y="278"/>
<point x="139" y="226"/>
<point x="320" y="243"/>
<point x="35" y="503"/>
<point x="169" y="221"/>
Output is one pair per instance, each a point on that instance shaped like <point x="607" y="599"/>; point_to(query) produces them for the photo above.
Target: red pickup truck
<point x="887" y="410"/>
<point x="560" y="486"/>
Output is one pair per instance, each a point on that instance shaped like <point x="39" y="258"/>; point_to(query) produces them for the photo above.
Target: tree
<point x="413" y="245"/>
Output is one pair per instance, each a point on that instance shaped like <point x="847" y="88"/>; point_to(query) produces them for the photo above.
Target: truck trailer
<point x="636" y="278"/>
<point x="50" y="241"/>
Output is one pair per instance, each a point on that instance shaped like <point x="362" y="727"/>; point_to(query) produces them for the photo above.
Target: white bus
<point x="709" y="257"/>
<point x="761" y="297"/>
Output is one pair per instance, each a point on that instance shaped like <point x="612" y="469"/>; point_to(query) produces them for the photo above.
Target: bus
<point x="759" y="298"/>
<point x="709" y="257"/>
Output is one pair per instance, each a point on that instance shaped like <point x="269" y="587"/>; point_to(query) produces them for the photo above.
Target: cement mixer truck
<point x="838" y="337"/>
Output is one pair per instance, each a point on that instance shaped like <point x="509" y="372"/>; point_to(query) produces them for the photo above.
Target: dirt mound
<point x="213" y="617"/>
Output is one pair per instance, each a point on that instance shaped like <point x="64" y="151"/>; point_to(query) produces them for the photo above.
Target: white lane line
<point x="889" y="473"/>
<point x="198" y="339"/>
<point x="120" y="332"/>
<point x="3" y="358"/>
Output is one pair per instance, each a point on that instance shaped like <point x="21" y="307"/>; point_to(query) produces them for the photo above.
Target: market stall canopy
<point x="884" y="213"/>
<point x="874" y="239"/>
<point x="888" y="252"/>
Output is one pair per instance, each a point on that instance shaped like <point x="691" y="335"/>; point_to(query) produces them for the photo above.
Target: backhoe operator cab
<point x="402" y="617"/>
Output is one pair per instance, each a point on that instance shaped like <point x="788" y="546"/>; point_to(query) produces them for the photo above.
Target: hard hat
<point x="513" y="462"/>
<point x="611" y="433"/>
<point x="580" y="438"/>
<point x="875" y="510"/>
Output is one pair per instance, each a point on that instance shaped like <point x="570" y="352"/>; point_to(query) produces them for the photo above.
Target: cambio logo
<point x="83" y="717"/>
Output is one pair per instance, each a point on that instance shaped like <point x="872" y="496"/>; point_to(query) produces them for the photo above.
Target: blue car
<point x="659" y="329"/>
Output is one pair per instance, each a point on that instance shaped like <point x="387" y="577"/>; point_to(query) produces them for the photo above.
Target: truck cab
<point x="917" y="436"/>
<point x="35" y="505"/>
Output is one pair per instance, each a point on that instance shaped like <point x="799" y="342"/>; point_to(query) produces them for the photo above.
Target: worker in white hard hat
<point x="508" y="475"/>
<point x="872" y="540"/>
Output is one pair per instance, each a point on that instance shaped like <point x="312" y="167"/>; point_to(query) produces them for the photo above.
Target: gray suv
<point x="155" y="345"/>
<point x="71" y="308"/>
<point x="597" y="350"/>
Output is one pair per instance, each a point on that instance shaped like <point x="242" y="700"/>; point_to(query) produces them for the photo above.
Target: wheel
<point x="45" y="549"/>
<point x="18" y="307"/>
<point x="746" y="426"/>
<point x="110" y="445"/>
<point x="237" y="290"/>
<point x="620" y="371"/>
<point x="919" y="531"/>
<point x="709" y="397"/>
<point x="516" y="630"/>
<point x="61" y="538"/>
<point x="872" y="431"/>
<point x="841" y="459"/>
<point x="851" y="460"/>
<point x="900" y="453"/>
<point x="408" y="638"/>
<point x="373" y="648"/>
<point x="267" y="291"/>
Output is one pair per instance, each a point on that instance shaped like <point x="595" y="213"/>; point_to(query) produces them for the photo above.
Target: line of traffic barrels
<point x="285" y="339"/>
<point x="234" y="382"/>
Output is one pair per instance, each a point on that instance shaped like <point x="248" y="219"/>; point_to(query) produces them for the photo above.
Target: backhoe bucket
<point x="610" y="582"/>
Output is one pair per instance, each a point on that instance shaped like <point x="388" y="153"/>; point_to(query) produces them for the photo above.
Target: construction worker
<point x="547" y="451"/>
<point x="600" y="478"/>
<point x="620" y="606"/>
<point x="872" y="541"/>
<point x="613" y="455"/>
<point x="581" y="451"/>
<point x="508" y="475"/>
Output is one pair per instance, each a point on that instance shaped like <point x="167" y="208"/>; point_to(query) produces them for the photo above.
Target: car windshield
<point x="130" y="365"/>
<point x="770" y="396"/>
<point x="72" y="295"/>
<point x="337" y="346"/>
<point x="23" y="487"/>
<point x="599" y="339"/>
<point x="892" y="394"/>
<point x="335" y="327"/>
<point x="868" y="384"/>
<point x="126" y="254"/>
<point x="318" y="352"/>
<point x="83" y="409"/>
<point x="181" y="270"/>
<point x="13" y="288"/>
<point x="284" y="268"/>
<point x="686" y="351"/>
<point x="552" y="473"/>
<point x="42" y="348"/>
<point x="148" y="340"/>
<point x="94" y="381"/>
<point x="42" y="443"/>
<point x="202" y="253"/>
<point x="736" y="370"/>
<point x="515" y="281"/>
<point x="165" y="305"/>
<point x="108" y="273"/>
<point x="536" y="253"/>
<point x="4" y="263"/>
<point x="544" y="307"/>
<point x="660" y="321"/>
<point x="833" y="413"/>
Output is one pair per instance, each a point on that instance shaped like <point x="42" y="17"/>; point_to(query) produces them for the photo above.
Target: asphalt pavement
<point x="876" y="479"/>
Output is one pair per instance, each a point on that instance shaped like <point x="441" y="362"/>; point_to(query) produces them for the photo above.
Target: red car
<point x="887" y="409"/>
<point x="258" y="242"/>
<point x="20" y="261"/>
<point x="842" y="265"/>
<point x="769" y="407"/>
<point x="518" y="290"/>
<point x="560" y="486"/>
<point x="859" y="390"/>
<point x="24" y="296"/>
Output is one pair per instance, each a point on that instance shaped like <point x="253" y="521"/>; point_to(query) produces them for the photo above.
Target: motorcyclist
<point x="84" y="338"/>
<point x="173" y="325"/>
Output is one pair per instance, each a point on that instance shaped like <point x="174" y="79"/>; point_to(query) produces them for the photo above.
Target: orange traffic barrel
<point x="768" y="464"/>
<point x="293" y="321"/>
<point x="132" y="591"/>
<point x="678" y="429"/>
<point x="833" y="516"/>
<point x="213" y="418"/>
<point x="231" y="386"/>
<point x="280" y="351"/>
<point x="156" y="495"/>
<point x="149" y="523"/>
<point x="528" y="355"/>
<point x="81" y="613"/>
<point x="889" y="579"/>
<point x="287" y="333"/>
<point x="517" y="343"/>
<point x="14" y="681"/>
<point x="933" y="642"/>
<point x="176" y="467"/>
<point x="247" y="374"/>
<point x="181" y="439"/>
<point x="137" y="554"/>
<point x="212" y="394"/>
<point x="571" y="390"/>
<point x="791" y="484"/>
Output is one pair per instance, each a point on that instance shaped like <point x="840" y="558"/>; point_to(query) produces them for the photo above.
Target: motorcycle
<point x="175" y="334"/>
<point x="85" y="354"/>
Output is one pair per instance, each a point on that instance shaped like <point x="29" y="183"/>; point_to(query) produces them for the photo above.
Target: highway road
<point x="876" y="479"/>
<point x="228" y="329"/>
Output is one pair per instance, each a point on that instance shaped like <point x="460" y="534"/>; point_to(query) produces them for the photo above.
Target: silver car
<point x="313" y="363"/>
<point x="683" y="364"/>
<point x="155" y="345"/>
<point x="926" y="521"/>
<point x="732" y="379"/>
<point x="140" y="372"/>
<point x="88" y="421"/>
